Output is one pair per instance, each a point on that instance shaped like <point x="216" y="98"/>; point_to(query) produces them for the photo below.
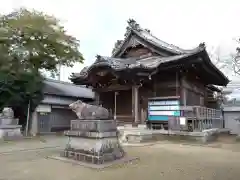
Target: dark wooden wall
<point x="123" y="105"/>
<point x="107" y="100"/>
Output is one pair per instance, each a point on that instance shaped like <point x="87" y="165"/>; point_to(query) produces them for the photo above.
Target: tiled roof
<point x="61" y="88"/>
<point x="154" y="40"/>
<point x="118" y="64"/>
<point x="48" y="99"/>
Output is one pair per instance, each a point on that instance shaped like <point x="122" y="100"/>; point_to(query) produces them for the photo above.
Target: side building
<point x="53" y="114"/>
<point x="231" y="106"/>
<point x="143" y="67"/>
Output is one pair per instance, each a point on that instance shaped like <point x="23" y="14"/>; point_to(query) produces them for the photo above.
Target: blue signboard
<point x="158" y="118"/>
<point x="163" y="109"/>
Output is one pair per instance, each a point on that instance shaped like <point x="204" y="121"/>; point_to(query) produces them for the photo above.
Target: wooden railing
<point x="200" y="118"/>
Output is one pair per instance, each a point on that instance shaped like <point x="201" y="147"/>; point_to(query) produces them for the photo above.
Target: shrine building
<point x="143" y="67"/>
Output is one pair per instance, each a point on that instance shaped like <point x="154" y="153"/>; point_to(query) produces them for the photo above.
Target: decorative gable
<point x="138" y="52"/>
<point x="136" y="36"/>
<point x="135" y="48"/>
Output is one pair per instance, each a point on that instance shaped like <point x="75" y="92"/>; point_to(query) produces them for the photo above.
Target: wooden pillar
<point x="183" y="91"/>
<point x="184" y="94"/>
<point x="154" y="89"/>
<point x="115" y="105"/>
<point x="135" y="96"/>
<point x="97" y="98"/>
<point x="177" y="83"/>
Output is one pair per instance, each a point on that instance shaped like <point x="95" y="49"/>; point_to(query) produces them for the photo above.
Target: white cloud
<point x="98" y="24"/>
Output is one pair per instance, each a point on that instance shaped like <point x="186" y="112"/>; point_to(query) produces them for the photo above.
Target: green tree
<point x="37" y="41"/>
<point x="31" y="41"/>
<point x="17" y="89"/>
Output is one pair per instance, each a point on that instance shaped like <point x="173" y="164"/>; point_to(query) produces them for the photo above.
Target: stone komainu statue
<point x="7" y="113"/>
<point x="87" y="111"/>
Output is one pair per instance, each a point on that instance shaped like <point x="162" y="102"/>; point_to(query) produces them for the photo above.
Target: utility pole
<point x="28" y="118"/>
<point x="59" y="72"/>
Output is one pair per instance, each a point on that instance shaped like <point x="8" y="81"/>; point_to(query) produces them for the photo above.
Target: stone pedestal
<point x="93" y="141"/>
<point x="9" y="129"/>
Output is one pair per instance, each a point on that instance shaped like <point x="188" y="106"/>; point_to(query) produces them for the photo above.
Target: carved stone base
<point x="10" y="132"/>
<point x="123" y="160"/>
<point x="93" y="141"/>
<point x="93" y="125"/>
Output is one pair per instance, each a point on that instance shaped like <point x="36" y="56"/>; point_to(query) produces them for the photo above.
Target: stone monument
<point x="9" y="128"/>
<point x="93" y="137"/>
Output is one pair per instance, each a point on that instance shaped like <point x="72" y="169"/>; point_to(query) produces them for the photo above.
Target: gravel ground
<point x="161" y="161"/>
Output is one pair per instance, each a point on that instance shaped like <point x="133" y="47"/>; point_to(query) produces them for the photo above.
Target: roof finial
<point x="148" y="30"/>
<point x="238" y="49"/>
<point x="98" y="57"/>
<point x="202" y="45"/>
<point x="133" y="24"/>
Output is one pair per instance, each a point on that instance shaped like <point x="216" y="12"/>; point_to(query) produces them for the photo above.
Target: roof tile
<point x="61" y="88"/>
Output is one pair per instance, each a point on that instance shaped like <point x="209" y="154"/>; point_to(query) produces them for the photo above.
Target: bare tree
<point x="223" y="62"/>
<point x="236" y="59"/>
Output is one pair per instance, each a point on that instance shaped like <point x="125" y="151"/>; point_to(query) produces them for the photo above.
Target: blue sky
<point x="99" y="23"/>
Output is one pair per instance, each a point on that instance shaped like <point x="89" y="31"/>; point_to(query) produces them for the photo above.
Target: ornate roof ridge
<point x="134" y="27"/>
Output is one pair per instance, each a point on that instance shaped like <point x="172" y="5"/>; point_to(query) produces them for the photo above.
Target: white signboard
<point x="166" y="113"/>
<point x="43" y="108"/>
<point x="182" y="121"/>
<point x="166" y="108"/>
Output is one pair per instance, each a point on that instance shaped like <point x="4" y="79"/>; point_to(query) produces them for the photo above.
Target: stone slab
<point x="10" y="133"/>
<point x="8" y="121"/>
<point x="138" y="144"/>
<point x="90" y="134"/>
<point x="93" y="125"/>
<point x="123" y="160"/>
<point x="156" y="135"/>
<point x="10" y="126"/>
<point x="142" y="126"/>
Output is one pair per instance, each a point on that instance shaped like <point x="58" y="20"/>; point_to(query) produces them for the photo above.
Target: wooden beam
<point x="167" y="84"/>
<point x="113" y="88"/>
<point x="192" y="87"/>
